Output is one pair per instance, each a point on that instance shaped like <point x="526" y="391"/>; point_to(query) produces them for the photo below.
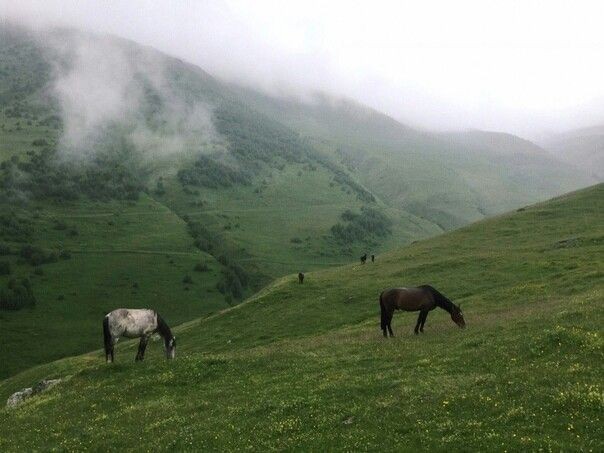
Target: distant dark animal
<point x="364" y="258"/>
<point x="136" y="323"/>
<point x="372" y="258"/>
<point x="423" y="299"/>
<point x="300" y="277"/>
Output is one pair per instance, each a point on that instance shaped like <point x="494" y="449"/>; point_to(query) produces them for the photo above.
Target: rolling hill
<point x="583" y="148"/>
<point x="128" y="177"/>
<point x="448" y="178"/>
<point x="305" y="366"/>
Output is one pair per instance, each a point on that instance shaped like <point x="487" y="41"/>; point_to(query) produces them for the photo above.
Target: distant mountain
<point x="583" y="148"/>
<point x="447" y="178"/>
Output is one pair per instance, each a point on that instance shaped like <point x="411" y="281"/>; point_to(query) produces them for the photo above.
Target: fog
<point x="84" y="63"/>
<point x="532" y="68"/>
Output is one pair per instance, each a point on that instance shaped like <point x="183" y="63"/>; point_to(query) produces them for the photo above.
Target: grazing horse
<point x="135" y="323"/>
<point x="364" y="258"/>
<point x="423" y="299"/>
<point x="300" y="277"/>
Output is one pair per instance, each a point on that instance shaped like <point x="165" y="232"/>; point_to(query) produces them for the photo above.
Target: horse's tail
<point x="106" y="334"/>
<point x="384" y="315"/>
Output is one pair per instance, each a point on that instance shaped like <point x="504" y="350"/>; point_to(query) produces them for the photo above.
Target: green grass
<point x="305" y="367"/>
<point x="131" y="254"/>
<point x="293" y="203"/>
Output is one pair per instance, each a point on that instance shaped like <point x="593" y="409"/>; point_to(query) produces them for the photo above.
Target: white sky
<point x="528" y="67"/>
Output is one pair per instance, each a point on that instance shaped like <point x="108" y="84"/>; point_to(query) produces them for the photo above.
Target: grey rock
<point x="18" y="397"/>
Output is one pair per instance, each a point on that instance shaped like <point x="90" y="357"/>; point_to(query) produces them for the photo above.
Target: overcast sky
<point x="528" y="67"/>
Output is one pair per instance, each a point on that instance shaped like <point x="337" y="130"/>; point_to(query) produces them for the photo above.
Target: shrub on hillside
<point x="65" y="255"/>
<point x="17" y="295"/>
<point x="15" y="227"/>
<point x="361" y="227"/>
<point x="4" y="268"/>
<point x="208" y="172"/>
<point x="37" y="256"/>
<point x="60" y="225"/>
<point x="39" y="142"/>
<point x="201" y="267"/>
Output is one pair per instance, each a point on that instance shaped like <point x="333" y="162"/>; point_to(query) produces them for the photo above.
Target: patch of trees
<point x="343" y="179"/>
<point x="37" y="256"/>
<point x="115" y="171"/>
<point x="16" y="295"/>
<point x="255" y="138"/>
<point x="208" y="172"/>
<point x="235" y="279"/>
<point x="14" y="227"/>
<point x="5" y="268"/>
<point x="201" y="267"/>
<point x="361" y="226"/>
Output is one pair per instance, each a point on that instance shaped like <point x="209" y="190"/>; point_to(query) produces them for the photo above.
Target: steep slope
<point x="305" y="366"/>
<point x="582" y="148"/>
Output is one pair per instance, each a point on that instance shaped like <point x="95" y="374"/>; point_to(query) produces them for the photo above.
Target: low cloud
<point x="107" y="85"/>
<point x="529" y="69"/>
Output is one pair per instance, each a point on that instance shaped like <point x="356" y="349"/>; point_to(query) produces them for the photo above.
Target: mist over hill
<point x="583" y="148"/>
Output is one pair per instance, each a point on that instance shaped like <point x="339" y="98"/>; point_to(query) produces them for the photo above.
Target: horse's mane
<point x="163" y="328"/>
<point x="441" y="300"/>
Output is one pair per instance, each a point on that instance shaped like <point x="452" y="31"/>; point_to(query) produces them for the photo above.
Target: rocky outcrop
<point x="18" y="397"/>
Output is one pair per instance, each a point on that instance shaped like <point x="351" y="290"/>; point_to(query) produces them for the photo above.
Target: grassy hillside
<point x="305" y="366"/>
<point x="448" y="178"/>
<point x="110" y="254"/>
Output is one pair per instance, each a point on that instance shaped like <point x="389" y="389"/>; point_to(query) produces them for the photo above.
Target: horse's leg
<point x="421" y="328"/>
<point x="390" y="315"/>
<point x="140" y="355"/>
<point x="419" y="321"/>
<point x="144" y="346"/>
<point x="110" y="352"/>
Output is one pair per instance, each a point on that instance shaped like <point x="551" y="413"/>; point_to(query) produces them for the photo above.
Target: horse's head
<point x="171" y="348"/>
<point x="457" y="316"/>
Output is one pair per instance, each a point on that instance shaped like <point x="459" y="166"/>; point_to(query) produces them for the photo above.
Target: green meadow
<point x="304" y="367"/>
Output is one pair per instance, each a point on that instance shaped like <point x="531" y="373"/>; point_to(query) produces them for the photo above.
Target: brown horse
<point x="423" y="299"/>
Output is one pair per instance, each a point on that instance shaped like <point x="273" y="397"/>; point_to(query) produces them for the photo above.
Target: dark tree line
<point x="235" y="279"/>
<point x="114" y="171"/>
<point x="208" y="172"/>
<point x="16" y="295"/>
<point x="361" y="226"/>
